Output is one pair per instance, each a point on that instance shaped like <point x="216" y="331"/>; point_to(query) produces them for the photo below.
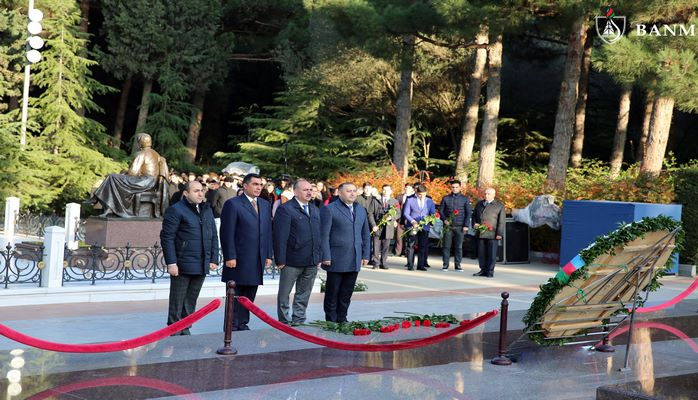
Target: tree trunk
<point x="145" y="105"/>
<point x="660" y="124"/>
<point x="621" y="132"/>
<point x="642" y="143"/>
<point x="13" y="103"/>
<point x="472" y="104"/>
<point x="195" y="125"/>
<point x="488" y="138"/>
<point x="581" y="109"/>
<point x="121" y="112"/>
<point x="85" y="13"/>
<point x="564" y="119"/>
<point x="403" y="112"/>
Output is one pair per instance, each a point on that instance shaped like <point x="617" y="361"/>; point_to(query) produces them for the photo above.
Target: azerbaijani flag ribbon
<point x="563" y="276"/>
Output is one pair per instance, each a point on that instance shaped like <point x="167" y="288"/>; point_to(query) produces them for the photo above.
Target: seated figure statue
<point x="118" y="193"/>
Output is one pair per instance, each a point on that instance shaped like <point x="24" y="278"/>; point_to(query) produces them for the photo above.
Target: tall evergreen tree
<point x="67" y="143"/>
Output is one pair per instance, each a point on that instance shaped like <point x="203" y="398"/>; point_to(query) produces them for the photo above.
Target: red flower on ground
<point x="426" y="322"/>
<point x="417" y="323"/>
<point x="442" y="325"/>
<point x="406" y="324"/>
<point x="464" y="322"/>
<point x="361" y="332"/>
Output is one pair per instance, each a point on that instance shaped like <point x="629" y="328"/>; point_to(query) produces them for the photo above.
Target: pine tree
<point x="67" y="144"/>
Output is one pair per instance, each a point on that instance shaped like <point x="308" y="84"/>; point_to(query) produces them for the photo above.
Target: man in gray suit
<point x="488" y="212"/>
<point x="346" y="246"/>
<point x="297" y="251"/>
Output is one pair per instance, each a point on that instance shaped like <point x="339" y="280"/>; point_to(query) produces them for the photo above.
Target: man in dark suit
<point x="297" y="251"/>
<point x="246" y="238"/>
<point x="416" y="209"/>
<point x="385" y="233"/>
<point x="402" y="199"/>
<point x="488" y="212"/>
<point x="345" y="248"/>
<point x="190" y="248"/>
<point x="455" y="213"/>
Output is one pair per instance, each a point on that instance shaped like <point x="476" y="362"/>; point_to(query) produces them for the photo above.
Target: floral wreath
<point x="602" y="245"/>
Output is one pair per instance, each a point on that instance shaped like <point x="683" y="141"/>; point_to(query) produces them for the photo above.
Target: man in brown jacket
<point x="489" y="221"/>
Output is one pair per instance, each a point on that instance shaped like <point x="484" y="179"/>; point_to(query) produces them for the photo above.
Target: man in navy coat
<point x="296" y="251"/>
<point x="416" y="209"/>
<point x="246" y="236"/>
<point x="190" y="248"/>
<point x="346" y="247"/>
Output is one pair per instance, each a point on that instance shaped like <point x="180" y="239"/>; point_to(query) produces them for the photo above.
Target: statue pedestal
<point x="117" y="232"/>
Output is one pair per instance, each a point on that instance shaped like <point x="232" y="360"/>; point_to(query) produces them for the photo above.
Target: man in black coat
<point x="455" y="213"/>
<point x="490" y="214"/>
<point x="297" y="251"/>
<point x="190" y="248"/>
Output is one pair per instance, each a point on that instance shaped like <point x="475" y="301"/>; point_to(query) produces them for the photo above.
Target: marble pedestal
<point x="117" y="232"/>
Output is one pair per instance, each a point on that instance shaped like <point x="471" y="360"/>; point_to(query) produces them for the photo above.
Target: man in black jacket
<point x="455" y="213"/>
<point x="190" y="248"/>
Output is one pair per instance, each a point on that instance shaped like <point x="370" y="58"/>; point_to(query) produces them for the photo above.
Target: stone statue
<point x="145" y="182"/>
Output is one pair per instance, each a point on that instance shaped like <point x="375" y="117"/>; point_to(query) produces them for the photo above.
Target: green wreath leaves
<point x="605" y="244"/>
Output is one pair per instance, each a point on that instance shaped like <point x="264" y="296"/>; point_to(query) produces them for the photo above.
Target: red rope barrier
<point x="113" y="346"/>
<point x="657" y="325"/>
<point x="139" y="381"/>
<point x="361" y="346"/>
<point x="671" y="302"/>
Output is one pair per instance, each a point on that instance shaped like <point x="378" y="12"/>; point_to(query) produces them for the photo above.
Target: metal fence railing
<point x="29" y="224"/>
<point x="95" y="263"/>
<point x="21" y="264"/>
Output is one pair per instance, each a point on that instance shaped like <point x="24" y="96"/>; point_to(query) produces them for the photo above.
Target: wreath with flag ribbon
<point x="577" y="268"/>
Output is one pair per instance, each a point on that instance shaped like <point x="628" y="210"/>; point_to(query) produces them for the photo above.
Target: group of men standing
<point x="302" y="238"/>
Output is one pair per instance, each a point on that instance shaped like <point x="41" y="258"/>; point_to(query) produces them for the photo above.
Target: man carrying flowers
<point x="455" y="213"/>
<point x="419" y="212"/>
<point x="489" y="222"/>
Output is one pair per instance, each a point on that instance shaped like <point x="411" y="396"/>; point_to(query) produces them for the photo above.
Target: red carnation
<point x="406" y="324"/>
<point x="442" y="325"/>
<point x="464" y="322"/>
<point x="426" y="322"/>
<point x="437" y="215"/>
<point x="361" y="332"/>
<point x="456" y="212"/>
<point x="489" y="228"/>
<point x="417" y="323"/>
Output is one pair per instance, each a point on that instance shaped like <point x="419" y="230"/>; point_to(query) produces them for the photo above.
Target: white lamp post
<point x="34" y="43"/>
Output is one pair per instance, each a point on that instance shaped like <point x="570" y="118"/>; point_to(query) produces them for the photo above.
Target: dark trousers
<point x="184" y="291"/>
<point x="338" y="290"/>
<point x="452" y="236"/>
<point x="399" y="240"/>
<point x="380" y="250"/>
<point x="487" y="255"/>
<point x="422" y="240"/>
<point x="242" y="314"/>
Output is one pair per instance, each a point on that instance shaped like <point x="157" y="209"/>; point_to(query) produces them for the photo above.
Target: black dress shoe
<point x="421" y="269"/>
<point x="410" y="269"/>
<point x="489" y="276"/>
<point x="383" y="267"/>
<point x="479" y="274"/>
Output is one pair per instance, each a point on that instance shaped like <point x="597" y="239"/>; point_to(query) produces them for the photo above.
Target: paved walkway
<point x="272" y="365"/>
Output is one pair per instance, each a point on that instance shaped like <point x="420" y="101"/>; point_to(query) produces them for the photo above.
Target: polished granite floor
<point x="273" y="365"/>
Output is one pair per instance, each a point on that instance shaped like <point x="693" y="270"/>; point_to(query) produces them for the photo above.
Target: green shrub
<point x="686" y="195"/>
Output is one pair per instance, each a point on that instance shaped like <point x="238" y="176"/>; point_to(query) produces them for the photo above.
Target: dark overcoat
<point x="246" y="236"/>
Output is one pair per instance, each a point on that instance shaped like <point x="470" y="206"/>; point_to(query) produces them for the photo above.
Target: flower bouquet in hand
<point x="483" y="227"/>
<point x="388" y="217"/>
<point x="427" y="220"/>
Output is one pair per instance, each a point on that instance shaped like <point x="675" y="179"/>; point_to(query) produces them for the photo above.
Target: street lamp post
<point x="34" y="43"/>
